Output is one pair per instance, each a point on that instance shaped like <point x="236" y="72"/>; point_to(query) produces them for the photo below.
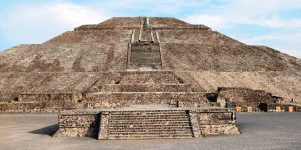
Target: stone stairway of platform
<point x="146" y="35"/>
<point x="144" y="52"/>
<point x="145" y="56"/>
<point x="149" y="124"/>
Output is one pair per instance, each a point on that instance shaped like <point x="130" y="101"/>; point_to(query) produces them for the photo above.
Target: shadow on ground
<point x="50" y="130"/>
<point x="241" y="126"/>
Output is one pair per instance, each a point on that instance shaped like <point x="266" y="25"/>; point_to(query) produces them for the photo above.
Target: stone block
<point x="238" y="109"/>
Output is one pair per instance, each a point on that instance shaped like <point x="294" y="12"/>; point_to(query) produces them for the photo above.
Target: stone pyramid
<point x="91" y="57"/>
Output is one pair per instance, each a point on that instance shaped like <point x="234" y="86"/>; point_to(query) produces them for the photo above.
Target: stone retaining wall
<point x="145" y="77"/>
<point x="63" y="100"/>
<point x="147" y="88"/>
<point x="78" y="124"/>
<point x="27" y="107"/>
<point x="245" y="95"/>
<point x="124" y="99"/>
<point x="217" y="123"/>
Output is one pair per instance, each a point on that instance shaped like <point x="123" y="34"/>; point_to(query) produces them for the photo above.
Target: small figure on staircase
<point x="155" y="67"/>
<point x="150" y="48"/>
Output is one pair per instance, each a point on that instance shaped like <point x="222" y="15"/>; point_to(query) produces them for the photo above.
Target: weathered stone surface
<point x="71" y="61"/>
<point x="217" y="123"/>
<point x="61" y="100"/>
<point x="147" y="124"/>
<point x="150" y="62"/>
<point x="216" y="118"/>
<point x="123" y="99"/>
<point x="245" y="95"/>
<point x="104" y="125"/>
<point x="76" y="132"/>
<point x="195" y="124"/>
<point x="78" y="124"/>
<point x="219" y="129"/>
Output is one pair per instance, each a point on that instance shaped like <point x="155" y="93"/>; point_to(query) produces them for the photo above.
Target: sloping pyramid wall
<point x="74" y="60"/>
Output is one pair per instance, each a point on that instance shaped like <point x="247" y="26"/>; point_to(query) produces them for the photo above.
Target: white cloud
<point x="72" y="15"/>
<point x="273" y="22"/>
<point x="297" y="22"/>
<point x="38" y="23"/>
<point x="293" y="52"/>
<point x="263" y="13"/>
<point x="215" y="22"/>
<point x="293" y="40"/>
<point x="286" y="34"/>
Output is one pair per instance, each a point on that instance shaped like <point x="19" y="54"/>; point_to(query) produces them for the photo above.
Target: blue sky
<point x="273" y="23"/>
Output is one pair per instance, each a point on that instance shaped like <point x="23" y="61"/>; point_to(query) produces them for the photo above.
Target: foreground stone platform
<point x="135" y="123"/>
<point x="277" y="130"/>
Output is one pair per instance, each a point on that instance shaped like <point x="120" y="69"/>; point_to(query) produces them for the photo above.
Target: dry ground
<point x="259" y="131"/>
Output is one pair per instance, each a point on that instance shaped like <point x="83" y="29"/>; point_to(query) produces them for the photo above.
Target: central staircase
<point x="149" y="124"/>
<point x="145" y="55"/>
<point x="144" y="52"/>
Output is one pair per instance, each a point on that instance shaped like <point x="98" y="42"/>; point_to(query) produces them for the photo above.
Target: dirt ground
<point x="259" y="131"/>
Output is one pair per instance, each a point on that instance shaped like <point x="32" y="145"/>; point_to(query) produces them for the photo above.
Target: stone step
<point x="148" y="117"/>
<point x="147" y="125"/>
<point x="150" y="120"/>
<point x="146" y="35"/>
<point x="153" y="110"/>
<point x="120" y="118"/>
<point x="146" y="61"/>
<point x="145" y="64"/>
<point x="159" y="114"/>
<point x="145" y="114"/>
<point x="155" y="124"/>
<point x="145" y="47"/>
<point x="150" y="136"/>
<point x="150" y="111"/>
<point x="155" y="115"/>
<point x="154" y="134"/>
<point x="145" y="55"/>
<point x="149" y="132"/>
<point x="187" y="128"/>
<point x="150" y="114"/>
<point x="149" y="128"/>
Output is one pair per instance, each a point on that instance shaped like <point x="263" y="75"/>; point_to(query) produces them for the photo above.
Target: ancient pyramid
<point x="145" y="78"/>
<point x="90" y="58"/>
